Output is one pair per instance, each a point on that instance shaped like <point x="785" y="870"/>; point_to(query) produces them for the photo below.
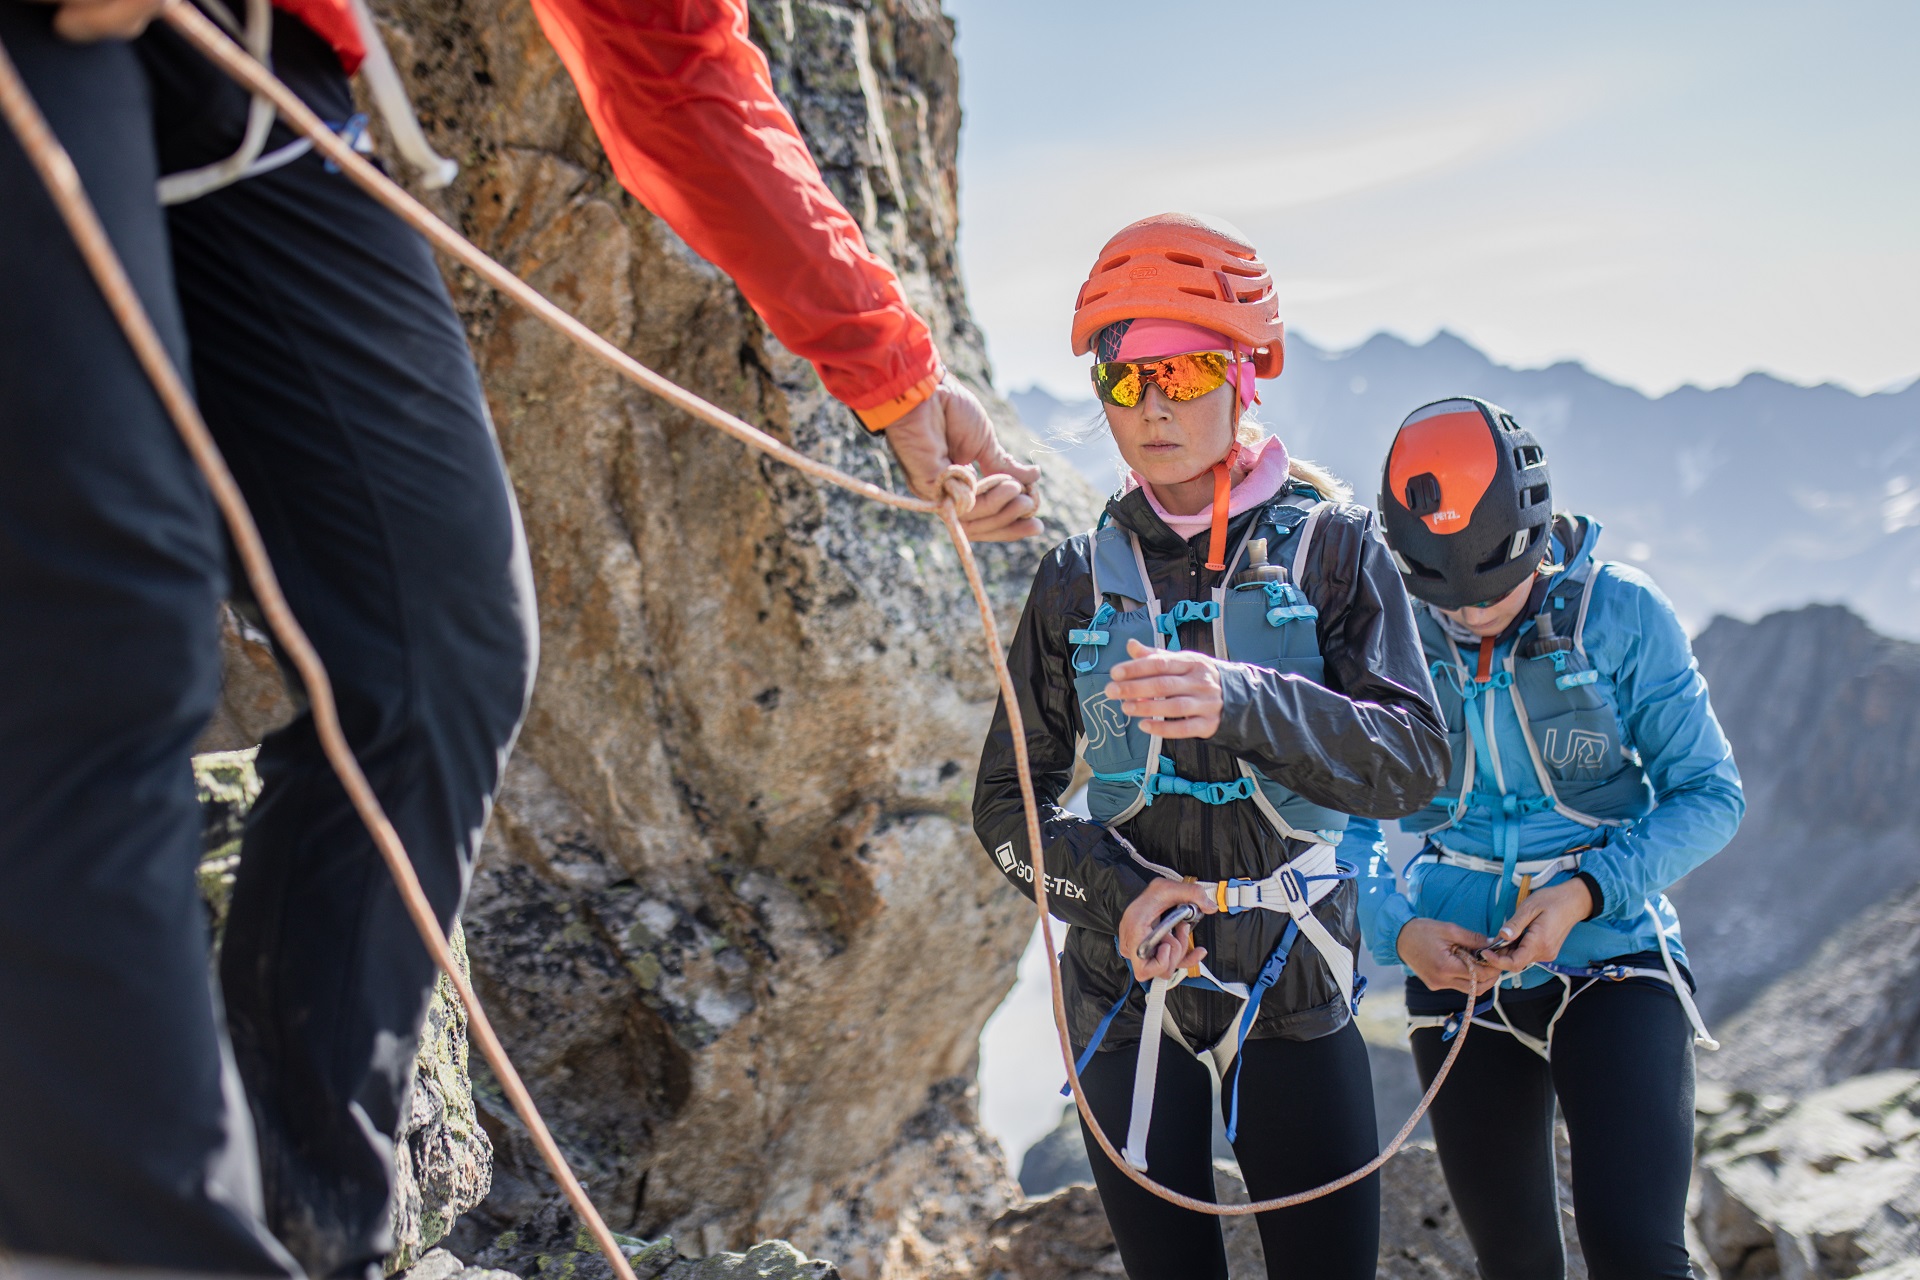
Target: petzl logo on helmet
<point x="1145" y="271"/>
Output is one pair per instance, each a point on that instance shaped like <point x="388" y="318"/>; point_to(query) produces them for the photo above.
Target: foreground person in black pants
<point x="139" y="1127"/>
<point x="335" y="376"/>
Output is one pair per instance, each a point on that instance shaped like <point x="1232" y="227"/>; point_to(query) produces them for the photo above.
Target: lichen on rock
<point x="227" y="786"/>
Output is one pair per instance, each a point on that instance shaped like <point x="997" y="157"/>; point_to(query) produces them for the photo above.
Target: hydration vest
<point x="1264" y="623"/>
<point x="1585" y="769"/>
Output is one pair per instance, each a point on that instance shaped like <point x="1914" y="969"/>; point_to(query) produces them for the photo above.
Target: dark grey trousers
<point x="337" y="379"/>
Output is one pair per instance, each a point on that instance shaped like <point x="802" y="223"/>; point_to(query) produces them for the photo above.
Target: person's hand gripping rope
<point x="1539" y="925"/>
<point x="951" y="428"/>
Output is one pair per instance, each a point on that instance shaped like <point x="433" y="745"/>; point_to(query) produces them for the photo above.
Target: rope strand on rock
<point x="63" y="185"/>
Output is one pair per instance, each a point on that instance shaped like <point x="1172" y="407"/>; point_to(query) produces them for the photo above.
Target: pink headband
<point x="1150" y="339"/>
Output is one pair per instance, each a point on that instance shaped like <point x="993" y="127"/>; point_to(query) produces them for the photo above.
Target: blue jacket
<point x="1648" y="674"/>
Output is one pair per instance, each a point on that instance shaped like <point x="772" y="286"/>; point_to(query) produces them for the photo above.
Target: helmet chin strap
<point x="1223" y="482"/>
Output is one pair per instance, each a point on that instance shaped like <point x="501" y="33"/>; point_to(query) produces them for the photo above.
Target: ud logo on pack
<point x="1105" y="721"/>
<point x="1581" y="749"/>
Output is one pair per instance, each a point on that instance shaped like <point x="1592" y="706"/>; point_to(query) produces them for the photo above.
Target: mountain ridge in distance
<point x="1739" y="500"/>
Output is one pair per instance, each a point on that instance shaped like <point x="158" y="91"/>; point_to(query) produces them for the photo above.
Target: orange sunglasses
<point x="1180" y="378"/>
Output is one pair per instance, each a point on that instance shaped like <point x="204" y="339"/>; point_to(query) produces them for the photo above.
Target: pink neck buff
<point x="1265" y="478"/>
<point x="1151" y="339"/>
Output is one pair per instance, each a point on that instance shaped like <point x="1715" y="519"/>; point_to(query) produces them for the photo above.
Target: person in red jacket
<point x="143" y="1124"/>
<point x="684" y="104"/>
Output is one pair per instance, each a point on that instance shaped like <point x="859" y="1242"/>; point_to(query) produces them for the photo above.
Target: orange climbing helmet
<point x="1182" y="266"/>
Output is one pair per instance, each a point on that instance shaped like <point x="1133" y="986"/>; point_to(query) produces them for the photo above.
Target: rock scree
<point x="1825" y="1185"/>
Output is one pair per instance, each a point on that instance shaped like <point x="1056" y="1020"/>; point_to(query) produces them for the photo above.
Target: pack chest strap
<point x="1163" y="781"/>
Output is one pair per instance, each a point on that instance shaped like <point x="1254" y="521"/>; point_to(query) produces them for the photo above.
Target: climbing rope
<point x="63" y="184"/>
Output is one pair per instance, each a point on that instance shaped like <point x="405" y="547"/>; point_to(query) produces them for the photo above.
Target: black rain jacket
<point x="1371" y="741"/>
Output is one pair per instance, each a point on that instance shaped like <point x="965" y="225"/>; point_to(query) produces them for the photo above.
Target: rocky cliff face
<point x="1820" y="711"/>
<point x="730" y="917"/>
<point x="1853" y="1008"/>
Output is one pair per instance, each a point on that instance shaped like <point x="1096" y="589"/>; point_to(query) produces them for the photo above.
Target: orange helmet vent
<point x="1181" y="266"/>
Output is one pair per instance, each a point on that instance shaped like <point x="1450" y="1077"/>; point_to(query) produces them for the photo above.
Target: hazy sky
<point x="1669" y="193"/>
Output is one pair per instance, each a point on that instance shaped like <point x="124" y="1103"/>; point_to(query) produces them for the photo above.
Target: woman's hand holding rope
<point x="1539" y="926"/>
<point x="1442" y="955"/>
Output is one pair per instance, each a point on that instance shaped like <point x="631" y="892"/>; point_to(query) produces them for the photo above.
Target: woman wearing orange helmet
<point x="1236" y="650"/>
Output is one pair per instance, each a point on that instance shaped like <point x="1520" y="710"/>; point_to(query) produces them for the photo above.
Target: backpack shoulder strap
<point x="1563" y="612"/>
<point x="1116" y="572"/>
<point x="1307" y="511"/>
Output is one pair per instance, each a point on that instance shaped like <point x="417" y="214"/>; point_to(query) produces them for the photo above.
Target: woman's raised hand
<point x="1441" y="954"/>
<point x="1177" y="952"/>
<point x="1172" y="693"/>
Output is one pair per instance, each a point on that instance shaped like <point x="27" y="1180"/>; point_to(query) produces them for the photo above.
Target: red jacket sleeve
<point x="684" y="105"/>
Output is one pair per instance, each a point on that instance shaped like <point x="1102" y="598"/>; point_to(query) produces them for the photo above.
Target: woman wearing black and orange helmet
<point x="1589" y="773"/>
<point x="1233" y="654"/>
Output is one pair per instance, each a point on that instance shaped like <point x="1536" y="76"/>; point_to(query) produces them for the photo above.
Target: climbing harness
<point x="1583" y="769"/>
<point x="178" y="188"/>
<point x="1259" y="617"/>
<point x="1567" y="975"/>
<point x="1291" y="891"/>
<point x="63" y="185"/>
<point x="383" y="84"/>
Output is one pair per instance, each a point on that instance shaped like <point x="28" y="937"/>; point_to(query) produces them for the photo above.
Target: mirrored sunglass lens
<point x="1118" y="383"/>
<point x="1189" y="377"/>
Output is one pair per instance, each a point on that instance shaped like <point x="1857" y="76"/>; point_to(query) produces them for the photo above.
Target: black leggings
<point x="1306" y="1117"/>
<point x="1623" y="1071"/>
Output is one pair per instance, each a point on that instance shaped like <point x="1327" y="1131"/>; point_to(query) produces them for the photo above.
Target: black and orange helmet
<point x="1466" y="502"/>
